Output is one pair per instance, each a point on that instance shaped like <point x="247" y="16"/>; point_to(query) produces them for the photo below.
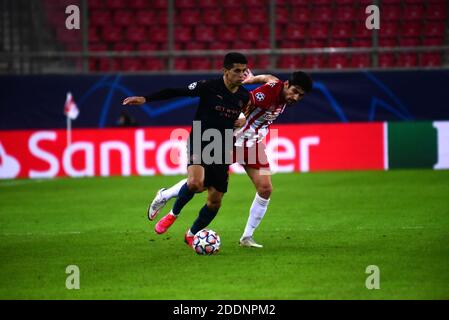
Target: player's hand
<point x="249" y="76"/>
<point x="239" y="123"/>
<point x="133" y="101"/>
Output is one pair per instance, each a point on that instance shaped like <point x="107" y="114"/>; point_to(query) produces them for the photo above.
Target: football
<point x="206" y="242"/>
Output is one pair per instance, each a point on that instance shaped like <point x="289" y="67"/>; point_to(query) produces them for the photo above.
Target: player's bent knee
<point x="195" y="185"/>
<point x="214" y="205"/>
<point x="265" y="191"/>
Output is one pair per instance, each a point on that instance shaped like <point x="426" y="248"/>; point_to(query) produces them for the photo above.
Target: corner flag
<point x="70" y="108"/>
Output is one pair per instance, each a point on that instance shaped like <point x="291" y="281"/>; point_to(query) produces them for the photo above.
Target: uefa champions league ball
<point x="206" y="242"/>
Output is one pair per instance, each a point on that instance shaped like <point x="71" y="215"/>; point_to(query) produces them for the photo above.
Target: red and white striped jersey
<point x="266" y="104"/>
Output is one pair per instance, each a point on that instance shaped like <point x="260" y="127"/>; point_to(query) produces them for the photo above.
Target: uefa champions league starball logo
<point x="260" y="96"/>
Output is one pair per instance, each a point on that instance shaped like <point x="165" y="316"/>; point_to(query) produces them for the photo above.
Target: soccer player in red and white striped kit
<point x="267" y="102"/>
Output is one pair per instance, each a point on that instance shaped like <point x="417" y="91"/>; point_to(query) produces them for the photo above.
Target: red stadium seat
<point x="189" y="17"/>
<point x="147" y="46"/>
<point x="324" y="14"/>
<point x="106" y="64"/>
<point x="301" y="14"/>
<point x="183" y="34"/>
<point x="158" y="4"/>
<point x="98" y="47"/>
<point x="95" y="4"/>
<point x="231" y="3"/>
<point x="295" y="32"/>
<point x="390" y="13"/>
<point x="158" y="34"/>
<point x="386" y="60"/>
<point x="249" y="33"/>
<point x="318" y="31"/>
<point x="436" y="11"/>
<point x="239" y="45"/>
<point x="185" y="3"/>
<point x="195" y="46"/>
<point x="131" y="64"/>
<point x="295" y="2"/>
<point x="430" y="59"/>
<point x="413" y="13"/>
<point x="212" y="17"/>
<point x="208" y="3"/>
<point x="226" y="33"/>
<point x="258" y="16"/>
<point x="289" y="62"/>
<point x="161" y="17"/>
<point x="123" y="18"/>
<point x="338" y="43"/>
<point x="93" y="35"/>
<point x="391" y="1"/>
<point x="315" y="62"/>
<point x="338" y="61"/>
<point x="146" y="17"/>
<point x="388" y="42"/>
<point x="153" y="64"/>
<point x="362" y="32"/>
<point x="263" y="62"/>
<point x="434" y="41"/>
<point x="100" y="18"/>
<point x="181" y="64"/>
<point x="112" y="34"/>
<point x="345" y="13"/>
<point x="408" y="60"/>
<point x="136" y="34"/>
<point x="409" y="42"/>
<point x="137" y="4"/>
<point x="123" y="46"/>
<point x="388" y="30"/>
<point x="315" y="43"/>
<point x="217" y="63"/>
<point x="199" y="63"/>
<point x="434" y="29"/>
<point x="255" y="3"/>
<point x="342" y="31"/>
<point x="360" y="60"/>
<point x="411" y="29"/>
<point x="282" y="16"/>
<point x="288" y="44"/>
<point x="234" y="17"/>
<point x="204" y="33"/>
<point x="218" y="45"/>
<point x="116" y="4"/>
<point x="362" y="43"/>
<point x="262" y="44"/>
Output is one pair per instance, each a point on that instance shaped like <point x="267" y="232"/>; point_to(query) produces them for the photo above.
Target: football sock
<point x="204" y="218"/>
<point x="173" y="191"/>
<point x="184" y="196"/>
<point x="256" y="213"/>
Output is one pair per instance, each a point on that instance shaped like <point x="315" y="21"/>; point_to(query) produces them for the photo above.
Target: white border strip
<point x="385" y="145"/>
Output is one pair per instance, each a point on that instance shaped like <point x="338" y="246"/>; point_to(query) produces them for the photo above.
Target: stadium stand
<point x="142" y="26"/>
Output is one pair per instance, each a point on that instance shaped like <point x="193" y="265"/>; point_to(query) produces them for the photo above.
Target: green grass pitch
<point x="320" y="233"/>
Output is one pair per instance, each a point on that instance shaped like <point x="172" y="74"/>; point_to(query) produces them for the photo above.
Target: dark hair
<point x="233" y="57"/>
<point x="301" y="79"/>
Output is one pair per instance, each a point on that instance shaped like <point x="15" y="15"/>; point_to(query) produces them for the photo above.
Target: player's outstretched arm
<point x="193" y="90"/>
<point x="261" y="78"/>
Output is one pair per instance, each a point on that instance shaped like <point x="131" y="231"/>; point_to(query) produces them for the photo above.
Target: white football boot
<point x="249" y="242"/>
<point x="156" y="206"/>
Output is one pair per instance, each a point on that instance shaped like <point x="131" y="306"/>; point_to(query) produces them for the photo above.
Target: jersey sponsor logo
<point x="271" y="116"/>
<point x="192" y="85"/>
<point x="260" y="96"/>
<point x="271" y="84"/>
